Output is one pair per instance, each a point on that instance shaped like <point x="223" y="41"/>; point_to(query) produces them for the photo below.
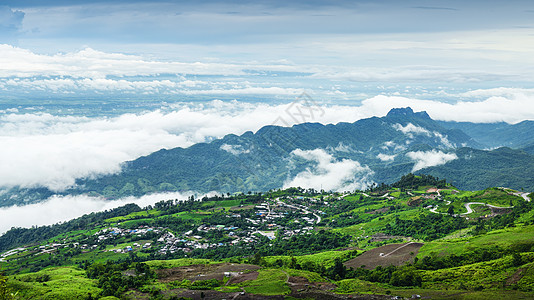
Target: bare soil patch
<point x="378" y="211"/>
<point x="393" y="254"/>
<point x="238" y="208"/>
<point x="515" y="277"/>
<point x="202" y="271"/>
<point x="243" y="277"/>
<point x="500" y="211"/>
<point x="415" y="201"/>
<point x="210" y="294"/>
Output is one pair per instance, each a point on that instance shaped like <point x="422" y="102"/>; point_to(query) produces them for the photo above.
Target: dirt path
<point x="384" y="255"/>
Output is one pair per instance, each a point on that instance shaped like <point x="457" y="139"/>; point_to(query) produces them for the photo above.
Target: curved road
<point x="469" y="210"/>
<point x="525" y="196"/>
<point x="303" y="209"/>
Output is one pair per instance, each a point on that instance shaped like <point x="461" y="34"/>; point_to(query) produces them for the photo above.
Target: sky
<point x="88" y="85"/>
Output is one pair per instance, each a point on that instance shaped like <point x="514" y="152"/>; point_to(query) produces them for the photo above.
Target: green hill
<point x="392" y="240"/>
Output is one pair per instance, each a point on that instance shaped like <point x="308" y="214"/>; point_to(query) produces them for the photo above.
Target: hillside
<point x="475" y="169"/>
<point x="265" y="160"/>
<point x="419" y="235"/>
<point x="494" y="135"/>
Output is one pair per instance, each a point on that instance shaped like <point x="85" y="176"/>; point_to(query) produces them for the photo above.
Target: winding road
<point x="303" y="209"/>
<point x="525" y="196"/>
<point x="469" y="210"/>
<point x="468" y="207"/>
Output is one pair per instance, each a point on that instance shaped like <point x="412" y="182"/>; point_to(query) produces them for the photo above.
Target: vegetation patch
<point x="269" y="282"/>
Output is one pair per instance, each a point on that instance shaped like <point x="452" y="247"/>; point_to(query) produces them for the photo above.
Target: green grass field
<point x="502" y="237"/>
<point x="134" y="215"/>
<point x="269" y="282"/>
<point x="63" y="283"/>
<point x="325" y="258"/>
<point x="174" y="263"/>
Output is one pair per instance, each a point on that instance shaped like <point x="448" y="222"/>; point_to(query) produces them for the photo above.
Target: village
<point x="266" y="220"/>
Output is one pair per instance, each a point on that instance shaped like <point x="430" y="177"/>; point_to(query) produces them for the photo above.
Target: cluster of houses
<point x="263" y="222"/>
<point x="265" y="215"/>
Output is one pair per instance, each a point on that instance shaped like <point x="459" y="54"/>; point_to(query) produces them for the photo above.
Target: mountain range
<point x="345" y="156"/>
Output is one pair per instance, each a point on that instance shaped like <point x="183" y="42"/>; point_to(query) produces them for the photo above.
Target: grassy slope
<point x="65" y="283"/>
<point x="503" y="237"/>
<point x="269" y="282"/>
<point x="325" y="258"/>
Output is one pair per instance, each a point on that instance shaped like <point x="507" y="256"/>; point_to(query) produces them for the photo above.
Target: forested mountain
<point x="372" y="150"/>
<point x="493" y="135"/>
<point x="500" y="167"/>
<point x="274" y="155"/>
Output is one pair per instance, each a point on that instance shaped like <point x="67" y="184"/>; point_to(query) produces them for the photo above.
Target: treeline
<point x="411" y="181"/>
<point x="426" y="226"/>
<point x="115" y="278"/>
<point x="501" y="221"/>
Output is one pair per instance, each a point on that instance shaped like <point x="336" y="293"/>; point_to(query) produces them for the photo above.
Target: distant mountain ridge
<point x="265" y="160"/>
<point x="494" y="135"/>
<point x="355" y="154"/>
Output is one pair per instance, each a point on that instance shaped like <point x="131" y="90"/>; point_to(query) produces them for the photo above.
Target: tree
<point x="405" y="276"/>
<point x="5" y="291"/>
<point x="450" y="211"/>
<point x="517" y="260"/>
<point x="338" y="270"/>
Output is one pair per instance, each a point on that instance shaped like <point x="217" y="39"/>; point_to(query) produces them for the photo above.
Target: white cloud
<point x="386" y="157"/>
<point x="234" y="149"/>
<point x="515" y="107"/>
<point x="340" y="148"/>
<point x="425" y="159"/>
<point x="443" y="139"/>
<point x="411" y="129"/>
<point x="148" y="87"/>
<point x="62" y="208"/>
<point x="329" y="173"/>
<point x="90" y="63"/>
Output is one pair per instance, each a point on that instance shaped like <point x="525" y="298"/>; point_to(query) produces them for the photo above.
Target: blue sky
<point x="337" y="51"/>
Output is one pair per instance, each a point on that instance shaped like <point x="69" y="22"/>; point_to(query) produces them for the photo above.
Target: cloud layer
<point x="425" y="159"/>
<point x="330" y="174"/>
<point x="59" y="209"/>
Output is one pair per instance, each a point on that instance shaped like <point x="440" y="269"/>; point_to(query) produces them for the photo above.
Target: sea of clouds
<point x="40" y="149"/>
